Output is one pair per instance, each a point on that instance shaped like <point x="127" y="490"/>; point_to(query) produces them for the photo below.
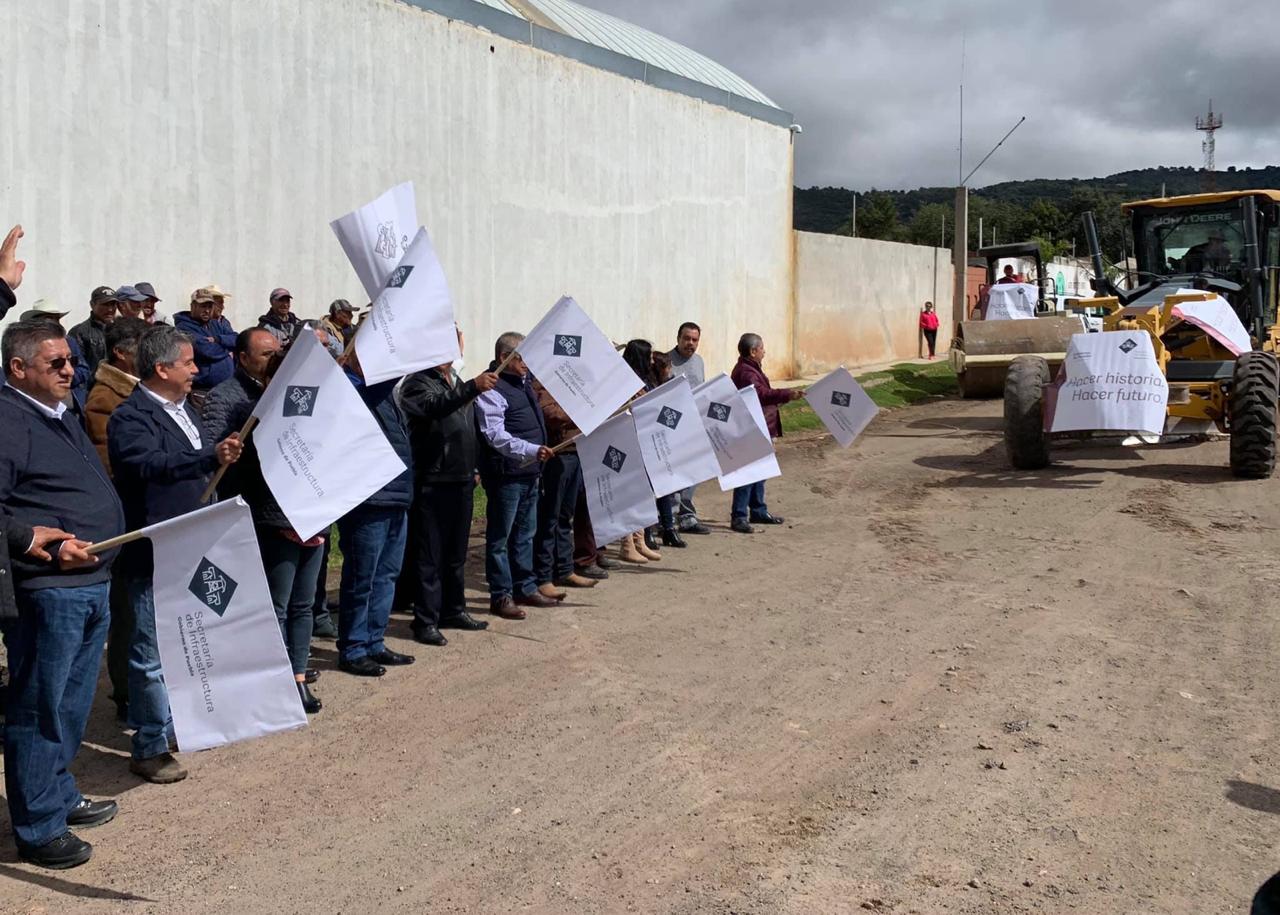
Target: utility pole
<point x="979" y="233"/>
<point x="853" y="217"/>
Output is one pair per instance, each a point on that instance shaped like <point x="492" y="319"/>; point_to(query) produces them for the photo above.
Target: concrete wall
<point x="858" y="300"/>
<point x="188" y="143"/>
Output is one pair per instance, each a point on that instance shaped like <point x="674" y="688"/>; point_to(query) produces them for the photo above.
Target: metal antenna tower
<point x="1209" y="124"/>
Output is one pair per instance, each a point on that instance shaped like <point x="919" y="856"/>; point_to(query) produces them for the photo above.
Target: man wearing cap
<point x="280" y="319"/>
<point x="91" y="333"/>
<point x="129" y="301"/>
<point x="212" y="339"/>
<point x="340" y="324"/>
<point x="149" y="312"/>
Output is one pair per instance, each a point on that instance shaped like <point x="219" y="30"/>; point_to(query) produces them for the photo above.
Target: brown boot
<point x="627" y="552"/>
<point x="574" y="580"/>
<point x="643" y="549"/>
<point x="505" y="607"/>
<point x="548" y="590"/>
<point x="160" y="770"/>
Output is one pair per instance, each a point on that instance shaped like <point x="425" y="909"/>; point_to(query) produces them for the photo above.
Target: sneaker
<point x="159" y="770"/>
<point x="694" y="527"/>
<point x="68" y="850"/>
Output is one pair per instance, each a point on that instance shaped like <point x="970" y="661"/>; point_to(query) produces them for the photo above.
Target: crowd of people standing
<point x="123" y="421"/>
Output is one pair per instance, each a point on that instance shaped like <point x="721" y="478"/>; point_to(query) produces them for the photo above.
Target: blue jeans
<point x="511" y="518"/>
<point x="55" y="646"/>
<point x="372" y="541"/>
<point x="748" y="501"/>
<point x="291" y="578"/>
<point x="686" y="513"/>
<point x="148" y="699"/>
<point x="553" y="546"/>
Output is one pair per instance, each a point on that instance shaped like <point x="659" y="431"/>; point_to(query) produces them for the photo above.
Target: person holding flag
<point x="748" y="501"/>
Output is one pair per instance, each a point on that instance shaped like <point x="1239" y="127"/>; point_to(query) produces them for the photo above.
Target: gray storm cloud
<point x="1105" y="86"/>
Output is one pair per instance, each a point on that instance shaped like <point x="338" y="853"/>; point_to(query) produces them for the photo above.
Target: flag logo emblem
<point x="1128" y="346"/>
<point x="840" y="399"/>
<point x="568" y="345"/>
<point x="212" y="586"/>
<point x="614" y="459"/>
<point x="669" y="417"/>
<point x="300" y="400"/>
<point x="719" y="411"/>
<point x="399" y="276"/>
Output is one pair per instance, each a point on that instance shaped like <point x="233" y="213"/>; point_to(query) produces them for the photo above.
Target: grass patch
<point x="897" y="386"/>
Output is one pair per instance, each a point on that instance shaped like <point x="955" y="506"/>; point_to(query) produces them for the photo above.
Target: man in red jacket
<point x="748" y="501"/>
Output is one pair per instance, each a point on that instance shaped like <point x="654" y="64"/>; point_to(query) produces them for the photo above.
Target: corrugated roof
<point x="602" y="30"/>
<point x="501" y="5"/>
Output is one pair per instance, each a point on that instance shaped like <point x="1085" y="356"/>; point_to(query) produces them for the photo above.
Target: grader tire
<point x="1255" y="385"/>
<point x="1025" y="440"/>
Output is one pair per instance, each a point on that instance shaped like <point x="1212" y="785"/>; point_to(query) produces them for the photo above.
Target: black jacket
<point x="156" y="471"/>
<point x="7" y="298"/>
<point x="92" y="338"/>
<point x="14" y="540"/>
<point x="380" y="398"/>
<point x="442" y="429"/>
<point x="50" y="475"/>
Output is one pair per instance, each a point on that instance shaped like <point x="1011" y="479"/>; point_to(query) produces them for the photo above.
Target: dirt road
<point x="941" y="687"/>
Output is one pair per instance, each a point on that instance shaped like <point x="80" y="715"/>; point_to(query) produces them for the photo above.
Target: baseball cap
<point x="210" y="293"/>
<point x="43" y="309"/>
<point x="101" y="295"/>
<point x="130" y="293"/>
<point x="147" y="290"/>
<point x="341" y="305"/>
<point x="280" y="293"/>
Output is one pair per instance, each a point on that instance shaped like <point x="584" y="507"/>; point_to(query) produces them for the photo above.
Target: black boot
<point x="650" y="540"/>
<point x="671" y="537"/>
<point x="310" y="704"/>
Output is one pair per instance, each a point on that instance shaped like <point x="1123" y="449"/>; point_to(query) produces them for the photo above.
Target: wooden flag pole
<point x="94" y="548"/>
<point x="573" y="438"/>
<point x="506" y="362"/>
<point x="217" y="477"/>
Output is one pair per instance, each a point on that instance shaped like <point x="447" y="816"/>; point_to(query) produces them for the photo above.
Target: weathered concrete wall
<point x="858" y="300"/>
<point x="188" y="143"/>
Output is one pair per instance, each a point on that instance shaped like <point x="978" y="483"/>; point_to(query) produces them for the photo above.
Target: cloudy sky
<point x="1106" y="85"/>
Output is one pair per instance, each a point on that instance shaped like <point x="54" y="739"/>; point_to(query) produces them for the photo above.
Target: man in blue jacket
<point x="50" y="476"/>
<point x="212" y="339"/>
<point x="161" y="465"/>
<point x="372" y="537"/>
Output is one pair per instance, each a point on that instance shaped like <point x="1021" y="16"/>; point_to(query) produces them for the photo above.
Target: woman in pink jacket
<point x="929" y="327"/>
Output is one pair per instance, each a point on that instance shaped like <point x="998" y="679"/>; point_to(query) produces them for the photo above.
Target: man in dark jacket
<point x="161" y="465"/>
<point x="442" y="430"/>
<point x="254" y="351"/>
<point x="50" y="476"/>
<point x="372" y="538"/>
<point x="212" y="338"/>
<point x="91" y="333"/>
<point x="280" y="319"/>
<point x="513" y="448"/>
<point x="748" y="501"/>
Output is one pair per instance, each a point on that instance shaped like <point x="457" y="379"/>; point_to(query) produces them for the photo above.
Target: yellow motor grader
<point x="1188" y="249"/>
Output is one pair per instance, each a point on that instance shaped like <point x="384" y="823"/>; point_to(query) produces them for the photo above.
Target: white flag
<point x="321" y="451"/>
<point x="1012" y="301"/>
<point x="1215" y="317"/>
<point x="376" y="236"/>
<point x="224" y="662"/>
<point x="842" y="405"/>
<point x="578" y="365"/>
<point x="619" y="497"/>
<point x="676" y="450"/>
<point x="734" y="435"/>
<point x="1109" y="381"/>
<point x="410" y="327"/>
<point x="764" y="469"/>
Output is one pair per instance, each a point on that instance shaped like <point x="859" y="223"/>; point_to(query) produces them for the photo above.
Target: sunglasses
<point x="58" y="363"/>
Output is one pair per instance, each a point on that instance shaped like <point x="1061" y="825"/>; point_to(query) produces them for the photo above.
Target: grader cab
<point x="1189" y="249"/>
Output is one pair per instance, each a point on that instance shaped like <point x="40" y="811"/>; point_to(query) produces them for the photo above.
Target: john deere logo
<point x="719" y="412"/>
<point x="840" y="399"/>
<point x="614" y="459"/>
<point x="1128" y="346"/>
<point x="568" y="345"/>
<point x="300" y="400"/>
<point x="212" y="586"/>
<point x="399" y="276"/>
<point x="669" y="417"/>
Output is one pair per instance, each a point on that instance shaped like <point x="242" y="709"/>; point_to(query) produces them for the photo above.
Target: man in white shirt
<point x="686" y="361"/>
<point x="160" y="465"/>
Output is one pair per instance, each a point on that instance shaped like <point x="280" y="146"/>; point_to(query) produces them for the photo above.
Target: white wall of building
<point x="189" y="143"/>
<point x="858" y="300"/>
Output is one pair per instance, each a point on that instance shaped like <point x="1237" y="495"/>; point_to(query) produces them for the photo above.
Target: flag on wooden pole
<point x="676" y="450"/>
<point x="842" y="405"/>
